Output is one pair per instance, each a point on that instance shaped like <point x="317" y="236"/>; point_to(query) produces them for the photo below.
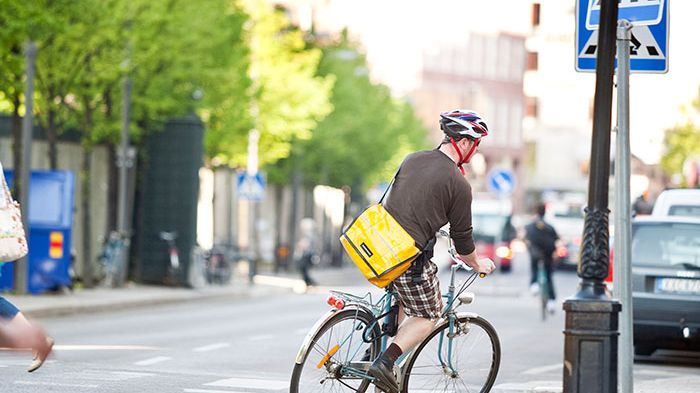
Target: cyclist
<point x="541" y="239"/>
<point x="430" y="191"/>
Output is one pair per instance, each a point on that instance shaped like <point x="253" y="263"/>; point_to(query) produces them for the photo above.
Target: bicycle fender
<point x="317" y="327"/>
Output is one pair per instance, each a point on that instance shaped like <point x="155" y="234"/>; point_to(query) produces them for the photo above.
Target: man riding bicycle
<point x="541" y="239"/>
<point x="429" y="191"/>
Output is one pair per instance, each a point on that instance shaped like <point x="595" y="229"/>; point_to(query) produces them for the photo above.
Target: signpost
<point x="648" y="38"/>
<point x="251" y="187"/>
<point x="642" y="46"/>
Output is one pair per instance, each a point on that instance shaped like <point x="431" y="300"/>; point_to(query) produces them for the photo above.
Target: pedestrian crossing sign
<point x="649" y="34"/>
<point x="251" y="186"/>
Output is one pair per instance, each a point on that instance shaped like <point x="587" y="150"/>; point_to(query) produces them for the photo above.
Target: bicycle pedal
<point x="360" y="365"/>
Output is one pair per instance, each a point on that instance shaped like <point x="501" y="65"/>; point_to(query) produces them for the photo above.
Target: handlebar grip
<point x="482" y="275"/>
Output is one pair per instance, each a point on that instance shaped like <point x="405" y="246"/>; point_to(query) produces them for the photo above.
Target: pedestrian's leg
<point x="548" y="264"/>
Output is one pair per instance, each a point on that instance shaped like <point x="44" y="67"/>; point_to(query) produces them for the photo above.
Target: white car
<point x="677" y="202"/>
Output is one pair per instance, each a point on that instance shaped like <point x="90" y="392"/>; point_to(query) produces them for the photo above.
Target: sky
<point x="396" y="33"/>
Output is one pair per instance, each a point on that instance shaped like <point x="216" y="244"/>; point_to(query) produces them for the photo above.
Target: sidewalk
<point x="136" y="295"/>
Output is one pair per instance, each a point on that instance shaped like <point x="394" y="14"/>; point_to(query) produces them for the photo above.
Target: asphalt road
<point x="249" y="345"/>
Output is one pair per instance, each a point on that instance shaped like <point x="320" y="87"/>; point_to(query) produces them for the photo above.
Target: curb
<point x="241" y="291"/>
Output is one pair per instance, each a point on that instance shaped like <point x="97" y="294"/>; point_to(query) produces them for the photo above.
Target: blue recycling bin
<point x="51" y="196"/>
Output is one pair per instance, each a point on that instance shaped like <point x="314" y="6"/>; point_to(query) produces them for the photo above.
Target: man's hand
<point x="480" y="265"/>
<point x="485" y="266"/>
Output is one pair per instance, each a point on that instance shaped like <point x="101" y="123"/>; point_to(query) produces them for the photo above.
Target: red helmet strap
<point x="463" y="160"/>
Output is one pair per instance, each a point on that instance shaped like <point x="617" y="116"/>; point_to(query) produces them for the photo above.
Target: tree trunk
<point x="85" y="170"/>
<point x="52" y="138"/>
<point x="16" y="124"/>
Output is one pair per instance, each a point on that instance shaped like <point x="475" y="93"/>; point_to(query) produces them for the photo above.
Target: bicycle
<point x="543" y="284"/>
<point x="462" y="353"/>
<point x="112" y="259"/>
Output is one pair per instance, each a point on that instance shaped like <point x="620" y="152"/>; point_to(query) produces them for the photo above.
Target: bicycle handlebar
<point x="453" y="255"/>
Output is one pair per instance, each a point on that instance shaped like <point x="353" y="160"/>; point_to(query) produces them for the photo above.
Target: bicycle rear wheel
<point x="336" y="344"/>
<point x="476" y="356"/>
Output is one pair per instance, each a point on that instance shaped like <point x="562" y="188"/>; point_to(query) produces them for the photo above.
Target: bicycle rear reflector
<point x="330" y="353"/>
<point x="337" y="303"/>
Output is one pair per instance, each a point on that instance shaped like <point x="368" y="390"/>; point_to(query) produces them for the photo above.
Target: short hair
<point x="541" y="209"/>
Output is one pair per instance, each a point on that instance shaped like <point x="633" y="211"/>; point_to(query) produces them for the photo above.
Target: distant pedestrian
<point x="307" y="249"/>
<point x="508" y="233"/>
<point x="642" y="205"/>
<point x="541" y="239"/>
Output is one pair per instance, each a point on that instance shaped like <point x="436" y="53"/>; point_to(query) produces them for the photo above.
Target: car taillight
<point x="609" y="278"/>
<point x="504" y="252"/>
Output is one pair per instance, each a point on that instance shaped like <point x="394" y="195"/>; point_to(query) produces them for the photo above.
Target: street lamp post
<point x="591" y="330"/>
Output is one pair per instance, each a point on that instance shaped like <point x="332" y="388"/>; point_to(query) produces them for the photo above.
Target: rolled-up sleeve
<point x="460" y="218"/>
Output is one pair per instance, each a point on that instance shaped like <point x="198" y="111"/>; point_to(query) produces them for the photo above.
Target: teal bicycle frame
<point x="383" y="306"/>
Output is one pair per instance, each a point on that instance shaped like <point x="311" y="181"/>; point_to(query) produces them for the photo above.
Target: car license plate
<point x="678" y="285"/>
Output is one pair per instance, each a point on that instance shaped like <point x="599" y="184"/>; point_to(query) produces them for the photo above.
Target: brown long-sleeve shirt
<point x="429" y="192"/>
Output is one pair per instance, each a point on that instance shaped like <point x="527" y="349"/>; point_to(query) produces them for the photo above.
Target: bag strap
<point x="390" y="185"/>
<point x="5" y="189"/>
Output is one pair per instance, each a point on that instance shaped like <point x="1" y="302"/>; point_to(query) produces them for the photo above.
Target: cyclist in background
<point x="429" y="191"/>
<point x="541" y="239"/>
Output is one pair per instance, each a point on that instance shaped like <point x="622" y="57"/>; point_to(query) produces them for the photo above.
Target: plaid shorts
<point x="420" y="299"/>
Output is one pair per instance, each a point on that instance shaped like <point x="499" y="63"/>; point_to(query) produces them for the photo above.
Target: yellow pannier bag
<point x="379" y="246"/>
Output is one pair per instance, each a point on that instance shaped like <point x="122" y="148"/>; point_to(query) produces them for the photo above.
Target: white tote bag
<point x="13" y="243"/>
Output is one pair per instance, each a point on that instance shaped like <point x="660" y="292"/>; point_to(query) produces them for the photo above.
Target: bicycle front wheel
<point x="336" y="345"/>
<point x="468" y="362"/>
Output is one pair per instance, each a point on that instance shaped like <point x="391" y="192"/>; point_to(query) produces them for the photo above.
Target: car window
<point x="666" y="244"/>
<point x="681" y="210"/>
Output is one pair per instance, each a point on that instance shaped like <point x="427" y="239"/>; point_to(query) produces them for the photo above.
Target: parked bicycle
<point x="172" y="276"/>
<point x="112" y="259"/>
<point x="462" y="353"/>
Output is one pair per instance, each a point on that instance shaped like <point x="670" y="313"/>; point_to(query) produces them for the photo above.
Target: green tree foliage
<point x="366" y="136"/>
<point x="289" y="98"/>
<point x="681" y="142"/>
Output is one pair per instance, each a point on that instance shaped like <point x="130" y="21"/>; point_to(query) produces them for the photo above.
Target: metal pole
<point x="123" y="162"/>
<point x="590" y="347"/>
<point x="27" y="134"/>
<point x="622" y="288"/>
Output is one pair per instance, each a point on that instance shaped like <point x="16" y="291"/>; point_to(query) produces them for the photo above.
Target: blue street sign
<point x="637" y="12"/>
<point x="649" y="43"/>
<point x="501" y="181"/>
<point x="251" y="187"/>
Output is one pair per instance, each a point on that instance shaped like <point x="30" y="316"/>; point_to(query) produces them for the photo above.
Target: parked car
<point x="677" y="202"/>
<point x="488" y="220"/>
<point x="666" y="283"/>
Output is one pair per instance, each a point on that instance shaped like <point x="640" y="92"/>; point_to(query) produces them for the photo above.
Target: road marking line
<point x="249" y="383"/>
<point x="132" y="374"/>
<point x="262" y="337"/>
<point x="102" y="348"/>
<point x="71" y="385"/>
<point x="211" y="347"/>
<point x="148" y="362"/>
<point x="543" y="369"/>
<point x="208" y="391"/>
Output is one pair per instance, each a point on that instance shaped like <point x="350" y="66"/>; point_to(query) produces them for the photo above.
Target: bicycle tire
<point x="348" y="314"/>
<point x="495" y="359"/>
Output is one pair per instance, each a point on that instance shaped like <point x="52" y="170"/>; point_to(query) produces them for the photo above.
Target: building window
<point x="535" y="14"/>
<point x="531" y="61"/>
<point x="531" y="107"/>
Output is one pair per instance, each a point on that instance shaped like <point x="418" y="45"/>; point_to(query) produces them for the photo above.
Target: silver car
<point x="666" y="283"/>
